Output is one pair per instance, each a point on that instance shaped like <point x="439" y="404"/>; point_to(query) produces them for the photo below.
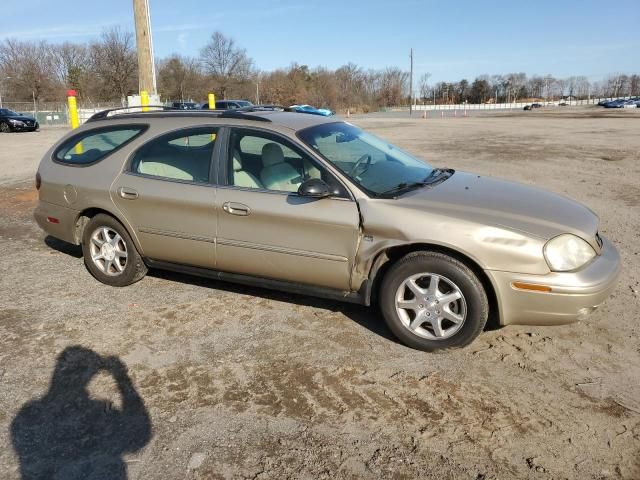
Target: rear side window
<point x="183" y="155"/>
<point x="93" y="145"/>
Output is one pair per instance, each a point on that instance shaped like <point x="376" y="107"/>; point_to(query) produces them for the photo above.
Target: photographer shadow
<point x="68" y="435"/>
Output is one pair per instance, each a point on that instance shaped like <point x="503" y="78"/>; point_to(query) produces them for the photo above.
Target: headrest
<point x="272" y="154"/>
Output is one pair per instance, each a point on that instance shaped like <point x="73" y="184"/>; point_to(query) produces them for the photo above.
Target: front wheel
<point x="4" y="127"/>
<point x="432" y="301"/>
<point x="110" y="254"/>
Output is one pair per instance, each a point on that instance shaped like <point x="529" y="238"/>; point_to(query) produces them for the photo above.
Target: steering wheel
<point x="364" y="157"/>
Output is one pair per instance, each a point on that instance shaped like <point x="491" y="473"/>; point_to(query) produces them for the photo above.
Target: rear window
<point x="93" y="145"/>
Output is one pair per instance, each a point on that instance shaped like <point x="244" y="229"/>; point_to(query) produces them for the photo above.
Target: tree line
<point x="105" y="70"/>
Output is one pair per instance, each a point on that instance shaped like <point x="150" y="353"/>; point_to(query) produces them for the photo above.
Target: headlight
<point x="567" y="252"/>
<point x="15" y="122"/>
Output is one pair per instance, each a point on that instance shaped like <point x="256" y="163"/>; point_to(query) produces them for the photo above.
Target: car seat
<point x="276" y="173"/>
<point x="242" y="178"/>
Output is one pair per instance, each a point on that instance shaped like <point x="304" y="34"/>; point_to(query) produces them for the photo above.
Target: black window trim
<point x="72" y="140"/>
<point x="223" y="173"/>
<point x="213" y="165"/>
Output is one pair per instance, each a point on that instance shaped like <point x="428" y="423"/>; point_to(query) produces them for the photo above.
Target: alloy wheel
<point x="108" y="251"/>
<point x="431" y="306"/>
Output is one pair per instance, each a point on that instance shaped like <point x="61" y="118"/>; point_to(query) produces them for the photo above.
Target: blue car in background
<point x="325" y="112"/>
<point x="620" y="103"/>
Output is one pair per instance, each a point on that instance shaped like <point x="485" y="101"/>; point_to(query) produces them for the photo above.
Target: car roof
<point x="291" y="120"/>
<point x="294" y="120"/>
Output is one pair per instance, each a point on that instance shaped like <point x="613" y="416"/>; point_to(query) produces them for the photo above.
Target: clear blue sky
<point x="451" y="39"/>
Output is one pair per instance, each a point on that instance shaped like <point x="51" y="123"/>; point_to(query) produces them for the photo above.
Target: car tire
<point x="109" y="252"/>
<point x="446" y="305"/>
<point x="4" y="127"/>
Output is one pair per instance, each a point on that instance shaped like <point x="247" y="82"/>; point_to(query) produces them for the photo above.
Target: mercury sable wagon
<point x="317" y="206"/>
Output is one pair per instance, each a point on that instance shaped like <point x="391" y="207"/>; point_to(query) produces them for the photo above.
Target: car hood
<point x="502" y="203"/>
<point x="22" y="118"/>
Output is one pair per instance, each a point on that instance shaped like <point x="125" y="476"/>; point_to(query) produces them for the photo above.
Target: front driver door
<point x="266" y="229"/>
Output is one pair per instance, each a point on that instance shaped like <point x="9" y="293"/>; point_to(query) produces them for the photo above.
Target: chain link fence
<point x="56" y="113"/>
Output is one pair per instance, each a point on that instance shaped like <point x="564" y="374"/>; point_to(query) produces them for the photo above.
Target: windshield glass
<point x="375" y="165"/>
<point x="6" y="111"/>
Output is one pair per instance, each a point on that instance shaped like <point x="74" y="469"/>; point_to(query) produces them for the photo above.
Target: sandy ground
<point x="223" y="381"/>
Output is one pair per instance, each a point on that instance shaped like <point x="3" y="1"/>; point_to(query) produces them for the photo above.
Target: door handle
<point x="236" y="208"/>
<point x="128" y="193"/>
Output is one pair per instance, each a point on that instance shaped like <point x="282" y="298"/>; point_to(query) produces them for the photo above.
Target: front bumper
<point x="573" y="296"/>
<point x="24" y="127"/>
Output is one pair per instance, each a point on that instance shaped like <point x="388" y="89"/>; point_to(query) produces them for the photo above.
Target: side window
<point x="263" y="161"/>
<point x="93" y="145"/>
<point x="182" y="155"/>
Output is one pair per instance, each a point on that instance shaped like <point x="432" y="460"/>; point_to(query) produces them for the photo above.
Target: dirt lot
<point x="247" y="383"/>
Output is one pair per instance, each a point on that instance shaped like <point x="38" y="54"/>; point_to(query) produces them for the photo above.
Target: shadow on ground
<point x="367" y="317"/>
<point x="66" y="434"/>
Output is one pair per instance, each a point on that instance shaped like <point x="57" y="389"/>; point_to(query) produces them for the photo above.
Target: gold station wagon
<point x="317" y="206"/>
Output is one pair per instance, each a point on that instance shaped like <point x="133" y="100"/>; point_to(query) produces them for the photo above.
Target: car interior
<point x="260" y="163"/>
<point x="186" y="158"/>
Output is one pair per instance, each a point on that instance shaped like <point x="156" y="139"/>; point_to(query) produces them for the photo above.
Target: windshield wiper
<point x="437" y="175"/>
<point x="401" y="187"/>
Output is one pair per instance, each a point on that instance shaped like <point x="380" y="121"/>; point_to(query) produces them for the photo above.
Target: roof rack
<point x="238" y="113"/>
<point x="105" y="113"/>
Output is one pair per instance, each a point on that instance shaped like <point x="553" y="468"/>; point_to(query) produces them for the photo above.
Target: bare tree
<point x="30" y="68"/>
<point x="350" y="84"/>
<point x="225" y="62"/>
<point x="393" y="86"/>
<point x="423" y="86"/>
<point x="72" y="67"/>
<point x="180" y="78"/>
<point x="114" y="63"/>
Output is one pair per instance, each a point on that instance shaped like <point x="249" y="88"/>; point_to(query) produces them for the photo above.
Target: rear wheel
<point x="110" y="254"/>
<point x="432" y="301"/>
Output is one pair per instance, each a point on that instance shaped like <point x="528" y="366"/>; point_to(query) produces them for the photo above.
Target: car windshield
<point x="376" y="166"/>
<point x="6" y="111"/>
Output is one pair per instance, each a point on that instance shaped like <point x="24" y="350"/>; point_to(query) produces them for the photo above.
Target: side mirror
<point x="314" y="188"/>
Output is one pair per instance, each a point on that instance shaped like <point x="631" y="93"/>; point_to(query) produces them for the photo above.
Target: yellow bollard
<point x="73" y="117"/>
<point x="73" y="109"/>
<point x="212" y="106"/>
<point x="144" y="100"/>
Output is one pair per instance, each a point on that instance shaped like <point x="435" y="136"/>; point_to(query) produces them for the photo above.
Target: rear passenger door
<point x="167" y="195"/>
<point x="266" y="229"/>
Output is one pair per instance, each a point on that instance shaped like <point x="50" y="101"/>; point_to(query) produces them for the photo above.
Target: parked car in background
<point x="620" y="103"/>
<point x="11" y="121"/>
<point x="532" y="106"/>
<point x="325" y="112"/>
<point x="185" y="105"/>
<point x="228" y="104"/>
<point x="311" y="205"/>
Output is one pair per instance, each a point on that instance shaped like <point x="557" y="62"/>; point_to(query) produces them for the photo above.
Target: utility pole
<point x="411" y="84"/>
<point x="144" y="44"/>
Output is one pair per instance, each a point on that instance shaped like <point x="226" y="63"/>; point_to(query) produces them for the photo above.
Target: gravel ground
<point x="179" y="377"/>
